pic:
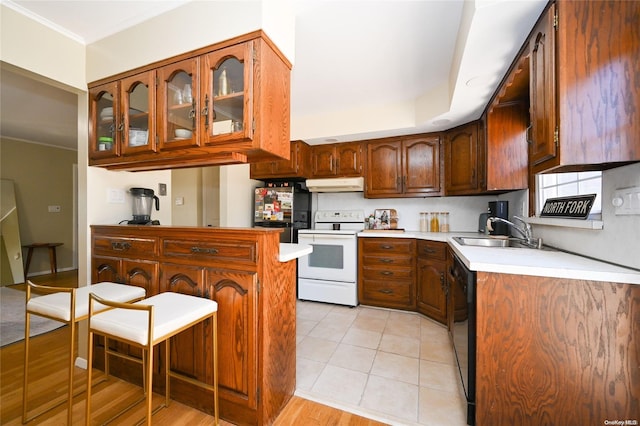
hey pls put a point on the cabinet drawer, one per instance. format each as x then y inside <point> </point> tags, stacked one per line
<point>387,245</point>
<point>387,261</point>
<point>125,246</point>
<point>387,273</point>
<point>432,249</point>
<point>388,293</point>
<point>240,251</point>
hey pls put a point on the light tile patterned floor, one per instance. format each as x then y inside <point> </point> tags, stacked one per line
<point>393,366</point>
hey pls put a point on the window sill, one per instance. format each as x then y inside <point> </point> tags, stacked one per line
<point>566,223</point>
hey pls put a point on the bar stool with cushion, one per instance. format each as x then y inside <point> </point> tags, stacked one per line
<point>69,306</point>
<point>147,323</point>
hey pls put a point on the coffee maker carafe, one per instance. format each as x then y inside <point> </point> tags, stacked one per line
<point>499,209</point>
<point>143,200</point>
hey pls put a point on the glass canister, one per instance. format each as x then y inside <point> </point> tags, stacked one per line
<point>424,222</point>
<point>444,222</point>
<point>434,222</point>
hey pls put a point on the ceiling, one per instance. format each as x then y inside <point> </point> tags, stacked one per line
<point>366,54</point>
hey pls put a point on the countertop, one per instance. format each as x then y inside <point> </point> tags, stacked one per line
<point>507,260</point>
<point>289,251</point>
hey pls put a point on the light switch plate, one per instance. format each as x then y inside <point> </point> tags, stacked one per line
<point>162,189</point>
<point>626,201</point>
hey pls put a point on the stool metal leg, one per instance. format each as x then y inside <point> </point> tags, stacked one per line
<point>25,376</point>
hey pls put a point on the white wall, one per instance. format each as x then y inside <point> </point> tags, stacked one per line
<point>103,212</point>
<point>619,240</point>
<point>463,211</point>
<point>36,48</point>
<point>186,186</point>
<point>196,24</point>
<point>236,196</point>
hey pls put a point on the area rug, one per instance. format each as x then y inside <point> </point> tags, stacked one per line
<point>12,304</point>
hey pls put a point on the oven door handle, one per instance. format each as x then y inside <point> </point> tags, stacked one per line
<point>312,237</point>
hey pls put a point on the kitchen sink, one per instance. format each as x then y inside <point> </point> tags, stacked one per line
<point>495,242</point>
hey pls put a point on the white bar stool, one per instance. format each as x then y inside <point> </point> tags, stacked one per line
<point>69,306</point>
<point>147,323</point>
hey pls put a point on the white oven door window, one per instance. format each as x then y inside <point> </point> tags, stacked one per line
<point>334,257</point>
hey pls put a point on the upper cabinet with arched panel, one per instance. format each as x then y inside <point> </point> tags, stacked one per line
<point>226,89</point>
<point>224,104</point>
<point>122,117</point>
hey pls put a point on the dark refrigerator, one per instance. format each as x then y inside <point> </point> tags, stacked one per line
<point>284,205</point>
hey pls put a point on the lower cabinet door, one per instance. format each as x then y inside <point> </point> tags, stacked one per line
<point>236,294</point>
<point>431,286</point>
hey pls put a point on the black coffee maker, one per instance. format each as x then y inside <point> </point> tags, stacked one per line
<point>499,209</point>
<point>143,199</point>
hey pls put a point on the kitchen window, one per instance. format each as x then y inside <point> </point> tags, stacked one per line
<point>566,184</point>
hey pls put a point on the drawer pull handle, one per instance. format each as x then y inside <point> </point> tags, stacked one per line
<point>204,250</point>
<point>386,291</point>
<point>428,250</point>
<point>386,247</point>
<point>386,260</point>
<point>119,246</point>
<point>386,273</point>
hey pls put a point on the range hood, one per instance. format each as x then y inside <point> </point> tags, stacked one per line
<point>355,184</point>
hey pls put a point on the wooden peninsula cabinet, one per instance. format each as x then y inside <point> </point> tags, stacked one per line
<point>223,104</point>
<point>556,351</point>
<point>256,296</point>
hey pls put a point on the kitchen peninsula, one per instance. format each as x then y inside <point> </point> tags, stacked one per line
<point>253,279</point>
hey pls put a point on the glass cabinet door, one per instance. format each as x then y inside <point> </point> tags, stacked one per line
<point>178,116</point>
<point>227,81</point>
<point>103,130</point>
<point>138,113</point>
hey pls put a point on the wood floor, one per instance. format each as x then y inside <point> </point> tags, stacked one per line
<point>48,376</point>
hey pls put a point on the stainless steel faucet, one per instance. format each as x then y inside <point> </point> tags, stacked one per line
<point>525,230</point>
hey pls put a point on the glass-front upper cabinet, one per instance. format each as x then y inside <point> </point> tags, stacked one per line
<point>103,126</point>
<point>137,98</point>
<point>178,106</point>
<point>226,91</point>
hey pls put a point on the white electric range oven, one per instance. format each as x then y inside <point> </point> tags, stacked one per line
<point>329,273</point>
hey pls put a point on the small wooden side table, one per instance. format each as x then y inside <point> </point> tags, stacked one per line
<point>52,256</point>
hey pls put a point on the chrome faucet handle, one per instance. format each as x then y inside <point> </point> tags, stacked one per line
<point>526,224</point>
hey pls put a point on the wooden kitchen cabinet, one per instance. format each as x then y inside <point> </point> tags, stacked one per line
<point>556,351</point>
<point>297,166</point>
<point>403,167</point>
<point>386,272</point>
<point>584,102</point>
<point>224,104</point>
<point>122,116</point>
<point>464,163</point>
<point>256,305</point>
<point>544,118</point>
<point>431,281</point>
<point>337,160</point>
